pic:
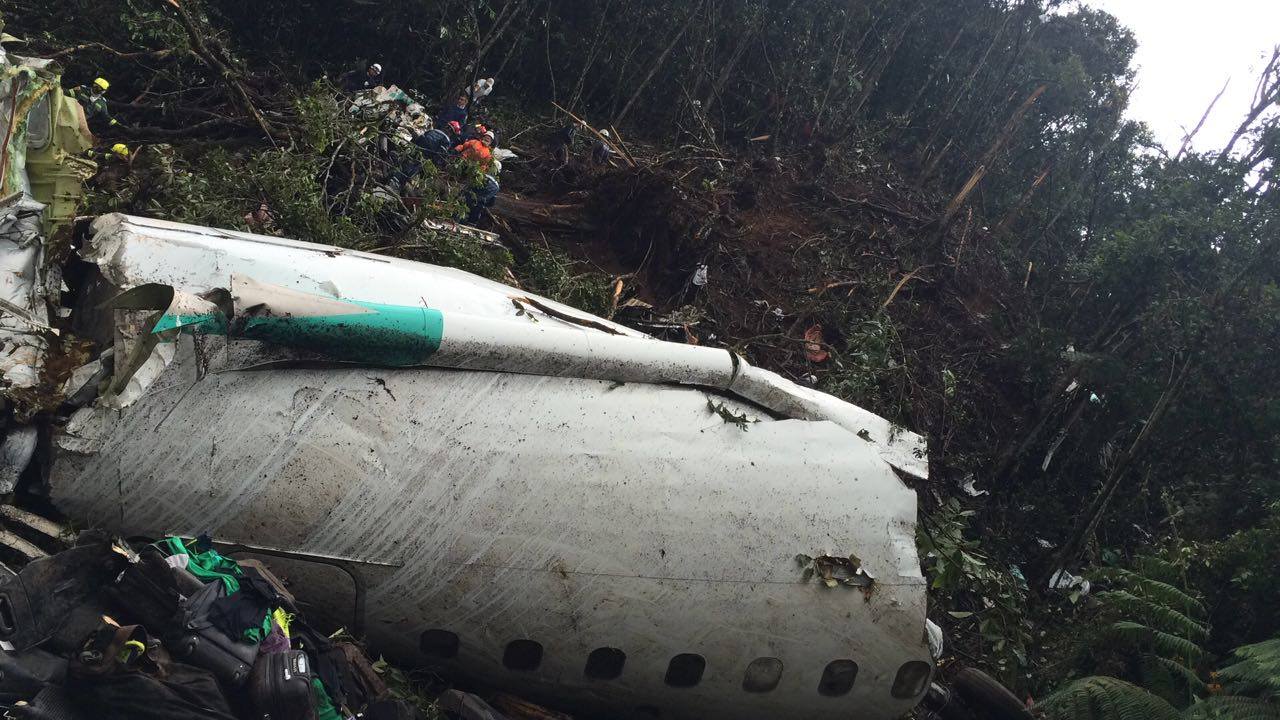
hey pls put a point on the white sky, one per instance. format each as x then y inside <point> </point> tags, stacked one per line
<point>1186,50</point>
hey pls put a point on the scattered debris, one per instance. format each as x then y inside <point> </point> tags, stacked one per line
<point>147,636</point>
<point>835,571</point>
<point>729,416</point>
<point>969,487</point>
<point>1074,584</point>
<point>814,345</point>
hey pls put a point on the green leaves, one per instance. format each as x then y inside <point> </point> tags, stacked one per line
<point>834,572</point>
<point>740,420</point>
<point>1105,698</point>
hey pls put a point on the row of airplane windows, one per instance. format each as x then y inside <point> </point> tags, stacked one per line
<point>685,670</point>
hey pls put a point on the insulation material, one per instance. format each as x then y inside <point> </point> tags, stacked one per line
<point>24,320</point>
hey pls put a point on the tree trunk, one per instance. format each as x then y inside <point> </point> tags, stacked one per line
<point>591,56</point>
<point>872,80</point>
<point>657,65</point>
<point>988,158</point>
<point>933,73</point>
<point>1010,217</point>
<point>941,122</point>
<point>1088,521</point>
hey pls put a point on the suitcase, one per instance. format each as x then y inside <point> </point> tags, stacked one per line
<point>280,687</point>
<point>211,649</point>
<point>36,602</point>
<point>360,682</point>
<point>52,703</point>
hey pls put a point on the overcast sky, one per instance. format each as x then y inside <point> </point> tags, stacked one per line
<point>1186,50</point>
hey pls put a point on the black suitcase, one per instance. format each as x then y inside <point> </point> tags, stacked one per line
<point>52,703</point>
<point>159,597</point>
<point>36,602</point>
<point>23,675</point>
<point>210,648</point>
<point>281,686</point>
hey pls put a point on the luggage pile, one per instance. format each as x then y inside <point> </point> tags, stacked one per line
<point>172,629</point>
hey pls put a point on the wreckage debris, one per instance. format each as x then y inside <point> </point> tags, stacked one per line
<point>171,629</point>
<point>166,327</point>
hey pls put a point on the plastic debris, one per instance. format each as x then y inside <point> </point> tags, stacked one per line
<point>934,635</point>
<point>700,276</point>
<point>1064,580</point>
<point>967,485</point>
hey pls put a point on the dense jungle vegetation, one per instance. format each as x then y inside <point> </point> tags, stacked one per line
<point>1084,324</point>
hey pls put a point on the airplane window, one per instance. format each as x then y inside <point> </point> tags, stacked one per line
<point>838,678</point>
<point>685,670</point>
<point>439,643</point>
<point>912,679</point>
<point>605,663</point>
<point>522,655</point>
<point>763,675</point>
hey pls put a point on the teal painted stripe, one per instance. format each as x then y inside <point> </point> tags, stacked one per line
<point>204,323</point>
<point>390,335</point>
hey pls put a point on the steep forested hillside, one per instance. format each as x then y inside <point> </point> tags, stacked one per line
<point>935,209</point>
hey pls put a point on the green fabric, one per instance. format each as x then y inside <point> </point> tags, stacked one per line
<point>324,706</point>
<point>207,565</point>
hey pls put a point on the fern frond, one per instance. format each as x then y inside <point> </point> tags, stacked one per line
<point>1232,708</point>
<point>1187,675</point>
<point>1169,619</point>
<point>1105,698</point>
<point>1157,569</point>
<point>1256,670</point>
<point>1157,641</point>
<point>1158,591</point>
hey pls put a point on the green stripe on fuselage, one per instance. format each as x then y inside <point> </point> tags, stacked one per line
<point>389,335</point>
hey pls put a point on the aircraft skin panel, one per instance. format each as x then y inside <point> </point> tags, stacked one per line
<point>476,323</point>
<point>576,513</point>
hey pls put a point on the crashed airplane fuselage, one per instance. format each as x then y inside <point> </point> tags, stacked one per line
<point>473,477</point>
<point>494,482</point>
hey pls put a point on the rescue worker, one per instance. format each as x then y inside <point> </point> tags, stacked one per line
<point>117,152</point>
<point>601,153</point>
<point>356,81</point>
<point>458,113</point>
<point>114,177</point>
<point>561,143</point>
<point>94,101</point>
<point>481,89</point>
<point>113,167</point>
<point>433,145</point>
<point>478,150</point>
<point>480,198</point>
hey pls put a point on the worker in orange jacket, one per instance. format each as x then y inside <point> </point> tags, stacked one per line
<point>478,150</point>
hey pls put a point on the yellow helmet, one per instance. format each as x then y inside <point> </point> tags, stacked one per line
<point>102,84</point>
<point>120,149</point>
